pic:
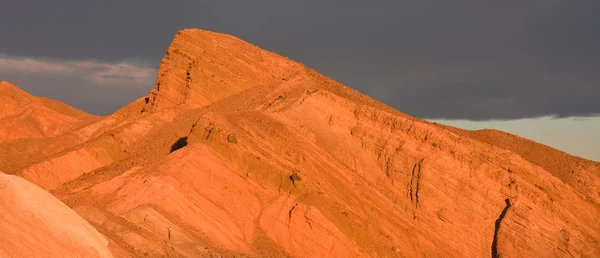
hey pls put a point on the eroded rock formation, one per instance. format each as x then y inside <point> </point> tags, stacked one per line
<point>242,152</point>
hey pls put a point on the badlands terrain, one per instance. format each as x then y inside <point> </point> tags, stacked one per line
<point>240,152</point>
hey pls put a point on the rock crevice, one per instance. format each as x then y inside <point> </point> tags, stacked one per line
<point>497,224</point>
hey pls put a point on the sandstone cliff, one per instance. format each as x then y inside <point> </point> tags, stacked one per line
<point>242,152</point>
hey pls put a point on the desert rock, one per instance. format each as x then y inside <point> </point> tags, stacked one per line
<point>242,152</point>
<point>36,224</point>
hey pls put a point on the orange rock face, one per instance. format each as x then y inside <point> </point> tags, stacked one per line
<point>25,116</point>
<point>203,67</point>
<point>241,152</point>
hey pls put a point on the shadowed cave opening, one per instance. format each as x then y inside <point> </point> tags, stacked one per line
<point>182,142</point>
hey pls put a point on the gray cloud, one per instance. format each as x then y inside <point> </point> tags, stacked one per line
<point>95,86</point>
<point>434,59</point>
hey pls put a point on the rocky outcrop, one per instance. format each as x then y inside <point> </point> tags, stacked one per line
<point>202,67</point>
<point>241,152</point>
<point>581,174</point>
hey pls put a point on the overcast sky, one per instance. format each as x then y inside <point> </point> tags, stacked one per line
<point>473,60</point>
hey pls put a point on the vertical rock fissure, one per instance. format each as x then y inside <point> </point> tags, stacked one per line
<point>415,183</point>
<point>188,76</point>
<point>388,165</point>
<point>418,183</point>
<point>291,210</point>
<point>188,81</point>
<point>412,178</point>
<point>495,253</point>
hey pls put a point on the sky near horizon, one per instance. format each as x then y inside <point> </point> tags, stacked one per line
<point>525,67</point>
<point>577,136</point>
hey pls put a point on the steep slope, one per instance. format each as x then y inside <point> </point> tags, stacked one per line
<point>581,174</point>
<point>25,116</point>
<point>203,67</point>
<point>318,173</point>
<point>25,152</point>
<point>241,152</point>
<point>64,108</point>
<point>36,224</point>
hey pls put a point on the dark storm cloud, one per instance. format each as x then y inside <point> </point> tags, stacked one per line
<point>432,59</point>
<point>98,87</point>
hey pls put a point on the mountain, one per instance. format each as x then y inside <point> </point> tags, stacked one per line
<point>23,115</point>
<point>242,152</point>
<point>36,224</point>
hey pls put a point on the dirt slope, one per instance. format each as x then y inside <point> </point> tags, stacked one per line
<point>242,152</point>
<point>581,174</point>
<point>25,116</point>
<point>36,224</point>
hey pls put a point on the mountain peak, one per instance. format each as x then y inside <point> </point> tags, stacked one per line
<point>9,88</point>
<point>283,161</point>
<point>23,115</point>
<point>201,67</point>
<point>11,97</point>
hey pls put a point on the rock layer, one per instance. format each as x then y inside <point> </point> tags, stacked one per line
<point>202,67</point>
<point>242,152</point>
<point>25,116</point>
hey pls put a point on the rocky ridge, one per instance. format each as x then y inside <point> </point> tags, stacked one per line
<point>242,152</point>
